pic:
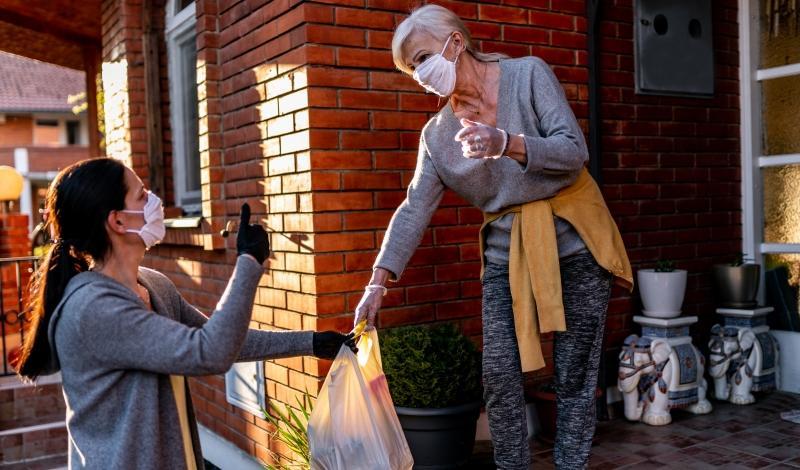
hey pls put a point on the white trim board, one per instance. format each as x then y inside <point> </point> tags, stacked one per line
<point>778,72</point>
<point>225,454</point>
<point>38,427</point>
<point>12,381</point>
<point>779,160</point>
<point>780,248</point>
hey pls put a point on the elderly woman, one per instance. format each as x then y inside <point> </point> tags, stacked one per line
<point>508,143</point>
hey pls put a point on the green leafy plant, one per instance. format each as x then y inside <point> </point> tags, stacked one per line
<point>740,259</point>
<point>430,366</point>
<point>291,429</point>
<point>665,266</point>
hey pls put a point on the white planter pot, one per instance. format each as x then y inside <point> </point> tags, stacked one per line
<point>662,293</point>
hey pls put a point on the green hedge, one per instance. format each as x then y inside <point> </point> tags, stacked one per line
<point>430,366</point>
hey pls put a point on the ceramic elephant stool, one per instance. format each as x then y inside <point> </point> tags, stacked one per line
<point>738,360</point>
<point>656,376</point>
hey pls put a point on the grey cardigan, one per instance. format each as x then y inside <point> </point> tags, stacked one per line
<point>531,102</point>
<point>116,356</point>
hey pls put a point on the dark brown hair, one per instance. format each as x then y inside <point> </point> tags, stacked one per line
<point>78,203</point>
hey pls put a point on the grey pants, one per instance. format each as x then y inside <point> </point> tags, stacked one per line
<point>586,290</point>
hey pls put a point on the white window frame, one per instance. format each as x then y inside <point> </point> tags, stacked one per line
<point>750,78</point>
<point>180,26</point>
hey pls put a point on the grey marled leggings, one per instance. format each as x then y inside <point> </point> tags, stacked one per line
<point>586,289</point>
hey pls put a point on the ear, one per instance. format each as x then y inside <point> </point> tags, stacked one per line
<point>114,223</point>
<point>660,350</point>
<point>746,338</point>
<point>458,40</point>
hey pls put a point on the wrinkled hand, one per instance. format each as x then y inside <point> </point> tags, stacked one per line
<point>251,239</point>
<point>368,306</point>
<point>328,343</point>
<point>481,141</point>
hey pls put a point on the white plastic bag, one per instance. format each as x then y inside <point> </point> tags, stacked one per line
<point>354,425</point>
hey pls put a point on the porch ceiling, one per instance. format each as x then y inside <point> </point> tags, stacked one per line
<point>57,31</point>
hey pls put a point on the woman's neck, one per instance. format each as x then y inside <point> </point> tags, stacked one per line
<point>477,85</point>
<point>122,267</point>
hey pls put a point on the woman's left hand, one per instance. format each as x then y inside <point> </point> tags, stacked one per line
<point>327,343</point>
<point>481,141</point>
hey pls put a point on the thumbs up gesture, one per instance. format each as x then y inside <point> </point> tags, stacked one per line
<point>251,239</point>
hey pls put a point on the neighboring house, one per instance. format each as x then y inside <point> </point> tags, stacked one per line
<point>43,124</point>
<point>295,107</point>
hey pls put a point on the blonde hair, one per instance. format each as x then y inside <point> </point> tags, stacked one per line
<point>439,23</point>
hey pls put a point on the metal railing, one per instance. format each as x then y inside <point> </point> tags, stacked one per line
<point>14,276</point>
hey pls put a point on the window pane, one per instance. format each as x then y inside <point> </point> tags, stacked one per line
<point>782,204</point>
<point>188,53</point>
<point>780,102</point>
<point>184,3</point>
<point>790,260</point>
<point>780,41</point>
<point>73,135</point>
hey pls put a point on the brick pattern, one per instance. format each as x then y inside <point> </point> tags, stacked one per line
<point>23,405</point>
<point>13,243</point>
<point>28,406</point>
<point>16,131</point>
<point>671,166</point>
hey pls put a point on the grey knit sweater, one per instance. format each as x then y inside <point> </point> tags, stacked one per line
<point>116,356</point>
<point>531,102</point>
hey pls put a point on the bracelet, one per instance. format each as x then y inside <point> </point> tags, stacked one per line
<point>505,143</point>
<point>377,286</point>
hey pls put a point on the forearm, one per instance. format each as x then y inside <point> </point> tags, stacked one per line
<point>380,276</point>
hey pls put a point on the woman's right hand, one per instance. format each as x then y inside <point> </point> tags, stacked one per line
<point>251,239</point>
<point>368,306</point>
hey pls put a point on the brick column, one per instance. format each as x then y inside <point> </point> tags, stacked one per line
<point>14,242</point>
<point>123,84</point>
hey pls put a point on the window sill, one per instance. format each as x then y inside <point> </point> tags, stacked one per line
<point>192,231</point>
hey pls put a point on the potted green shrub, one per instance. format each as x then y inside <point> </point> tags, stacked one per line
<point>662,289</point>
<point>736,283</point>
<point>434,375</point>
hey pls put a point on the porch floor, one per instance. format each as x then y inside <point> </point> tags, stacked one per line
<point>731,437</point>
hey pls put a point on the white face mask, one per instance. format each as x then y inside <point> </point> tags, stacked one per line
<point>437,74</point>
<point>153,230</point>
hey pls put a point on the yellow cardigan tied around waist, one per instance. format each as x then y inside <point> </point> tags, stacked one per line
<point>534,272</point>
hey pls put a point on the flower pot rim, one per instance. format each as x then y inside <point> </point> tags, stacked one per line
<point>439,411</point>
<point>653,270</point>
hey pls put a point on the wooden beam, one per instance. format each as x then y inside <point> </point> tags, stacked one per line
<point>92,59</point>
<point>152,96</point>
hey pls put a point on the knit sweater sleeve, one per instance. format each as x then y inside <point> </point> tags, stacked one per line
<point>412,216</point>
<point>561,148</point>
<point>259,345</point>
<point>118,332</point>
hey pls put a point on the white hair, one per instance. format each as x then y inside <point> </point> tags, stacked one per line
<point>439,23</point>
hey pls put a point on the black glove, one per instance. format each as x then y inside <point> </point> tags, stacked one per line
<point>251,239</point>
<point>328,343</point>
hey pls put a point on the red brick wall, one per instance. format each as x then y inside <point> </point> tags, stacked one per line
<point>17,131</point>
<point>13,243</point>
<point>671,166</point>
<point>28,406</point>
